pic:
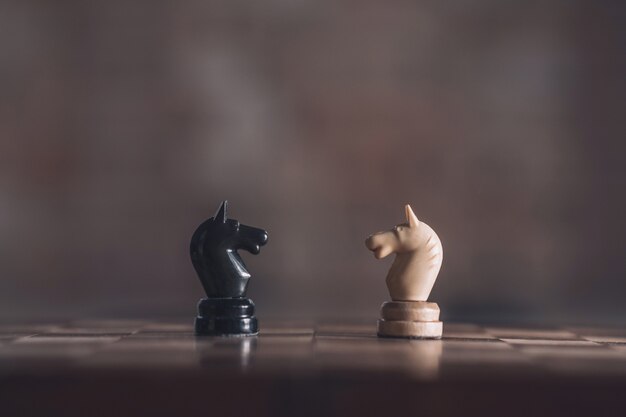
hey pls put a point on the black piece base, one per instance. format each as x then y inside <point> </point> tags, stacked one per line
<point>226,317</point>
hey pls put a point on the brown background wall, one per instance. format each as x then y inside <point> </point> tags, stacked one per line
<point>123,124</point>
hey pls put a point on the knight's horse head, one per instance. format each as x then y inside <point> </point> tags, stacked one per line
<point>419,255</point>
<point>404,237</point>
<point>214,255</point>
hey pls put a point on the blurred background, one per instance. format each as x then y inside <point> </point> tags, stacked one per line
<point>123,124</point>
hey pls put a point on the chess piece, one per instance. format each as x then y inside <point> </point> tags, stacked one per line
<point>419,255</point>
<point>226,311</point>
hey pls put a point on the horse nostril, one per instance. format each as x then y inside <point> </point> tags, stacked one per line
<point>369,243</point>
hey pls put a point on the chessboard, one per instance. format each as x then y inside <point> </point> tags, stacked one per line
<point>123,367</point>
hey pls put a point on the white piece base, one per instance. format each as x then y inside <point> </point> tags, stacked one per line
<point>410,329</point>
<point>409,311</point>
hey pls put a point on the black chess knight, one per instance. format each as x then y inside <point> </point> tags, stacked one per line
<point>224,276</point>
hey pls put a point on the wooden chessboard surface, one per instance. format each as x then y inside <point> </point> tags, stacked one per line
<point>122,367</point>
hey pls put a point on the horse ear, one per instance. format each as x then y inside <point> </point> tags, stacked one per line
<point>220,215</point>
<point>411,218</point>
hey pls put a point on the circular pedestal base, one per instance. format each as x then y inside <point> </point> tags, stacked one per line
<point>226,317</point>
<point>409,311</point>
<point>410,329</point>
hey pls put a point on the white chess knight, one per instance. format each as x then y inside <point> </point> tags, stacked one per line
<point>419,255</point>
